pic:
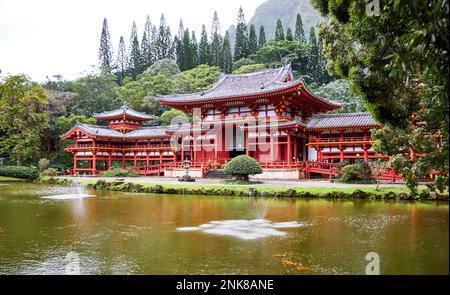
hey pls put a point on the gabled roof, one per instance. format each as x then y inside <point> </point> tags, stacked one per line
<point>239,85</point>
<point>343,120</point>
<point>117,113</point>
<point>105,131</point>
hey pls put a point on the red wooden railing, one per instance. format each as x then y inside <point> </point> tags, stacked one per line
<point>339,139</point>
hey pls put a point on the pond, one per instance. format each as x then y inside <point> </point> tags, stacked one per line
<point>125,233</point>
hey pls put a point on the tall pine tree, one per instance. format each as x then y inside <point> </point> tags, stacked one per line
<point>216,41</point>
<point>204,55</point>
<point>121,64</point>
<point>279,33</point>
<point>146,44</point>
<point>289,36</point>
<point>135,59</point>
<point>105,53</point>
<point>227,58</point>
<point>261,37</point>
<point>186,61</point>
<point>194,50</point>
<point>241,43</point>
<point>164,49</point>
<point>299,32</point>
<point>179,54</point>
<point>252,40</point>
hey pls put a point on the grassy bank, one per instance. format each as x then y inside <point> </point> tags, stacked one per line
<point>246,190</point>
<point>10,179</point>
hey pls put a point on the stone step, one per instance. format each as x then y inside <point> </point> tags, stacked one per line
<point>217,174</point>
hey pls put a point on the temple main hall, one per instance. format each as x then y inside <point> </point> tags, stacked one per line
<point>267,115</point>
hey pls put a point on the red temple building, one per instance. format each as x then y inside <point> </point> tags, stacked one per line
<point>267,115</point>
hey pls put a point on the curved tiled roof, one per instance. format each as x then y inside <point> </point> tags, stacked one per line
<point>105,131</point>
<point>323,121</point>
<point>239,85</point>
<point>122,111</point>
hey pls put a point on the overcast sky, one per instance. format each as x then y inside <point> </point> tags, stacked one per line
<point>47,37</point>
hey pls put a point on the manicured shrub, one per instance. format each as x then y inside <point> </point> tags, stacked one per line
<point>242,166</point>
<point>116,172</point>
<point>355,172</point>
<point>19,172</point>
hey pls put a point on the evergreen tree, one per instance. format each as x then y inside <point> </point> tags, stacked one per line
<point>227,58</point>
<point>145,51</point>
<point>262,36</point>
<point>312,37</point>
<point>216,42</point>
<point>204,55</point>
<point>279,33</point>
<point>289,36</point>
<point>164,49</point>
<point>146,44</point>
<point>135,60</point>
<point>105,53</point>
<point>252,40</point>
<point>121,61</point>
<point>186,62</point>
<point>241,43</point>
<point>179,55</point>
<point>180,30</point>
<point>299,32</point>
<point>154,44</point>
<point>194,50</point>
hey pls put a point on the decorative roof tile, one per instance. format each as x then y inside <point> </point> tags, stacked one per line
<point>324,121</point>
<point>123,111</point>
<point>105,131</point>
<point>237,85</point>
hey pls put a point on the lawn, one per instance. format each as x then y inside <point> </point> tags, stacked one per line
<point>10,179</point>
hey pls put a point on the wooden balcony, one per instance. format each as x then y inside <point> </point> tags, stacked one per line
<point>120,148</point>
<point>340,141</point>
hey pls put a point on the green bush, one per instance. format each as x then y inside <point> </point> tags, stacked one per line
<point>242,166</point>
<point>355,172</point>
<point>19,172</point>
<point>50,172</point>
<point>116,172</point>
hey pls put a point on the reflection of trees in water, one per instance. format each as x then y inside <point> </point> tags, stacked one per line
<point>259,207</point>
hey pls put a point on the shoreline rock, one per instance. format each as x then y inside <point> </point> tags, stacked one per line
<point>104,185</point>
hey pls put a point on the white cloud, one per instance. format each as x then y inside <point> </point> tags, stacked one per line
<point>47,37</point>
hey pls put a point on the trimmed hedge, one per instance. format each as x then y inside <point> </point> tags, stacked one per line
<point>242,166</point>
<point>115,172</point>
<point>19,172</point>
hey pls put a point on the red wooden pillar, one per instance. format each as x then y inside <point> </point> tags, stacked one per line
<point>74,163</point>
<point>366,154</point>
<point>247,147</point>
<point>271,148</point>
<point>341,153</point>
<point>182,148</point>
<point>135,160</point>
<point>124,166</point>
<point>295,149</point>
<point>289,147</point>
<point>319,154</point>
<point>94,164</point>
<point>147,163</point>
<point>109,160</point>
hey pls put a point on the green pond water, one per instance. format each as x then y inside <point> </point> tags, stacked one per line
<point>124,233</point>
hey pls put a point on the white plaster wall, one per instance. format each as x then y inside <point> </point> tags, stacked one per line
<point>178,172</point>
<point>277,174</point>
<point>312,154</point>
